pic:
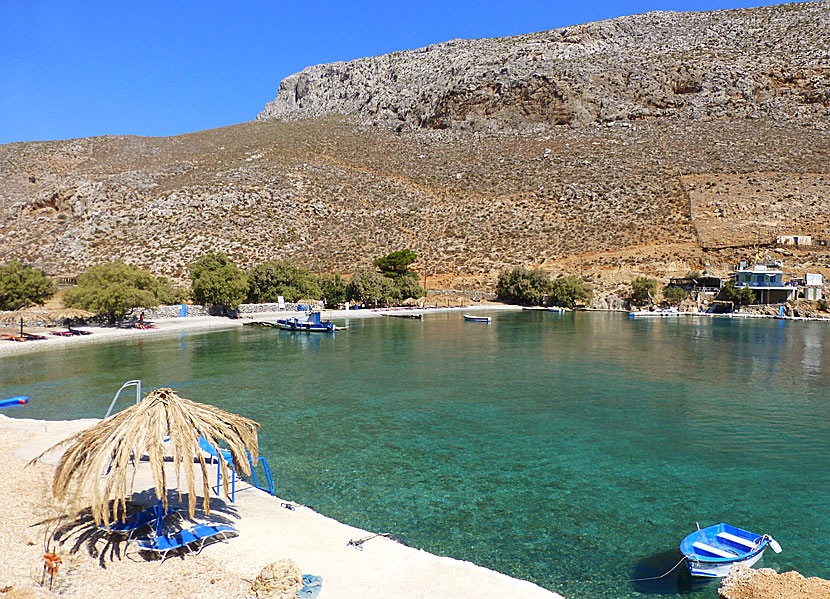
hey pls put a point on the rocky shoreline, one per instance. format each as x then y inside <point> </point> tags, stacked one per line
<point>748,583</point>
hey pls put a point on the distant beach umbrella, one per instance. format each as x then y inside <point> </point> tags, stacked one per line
<point>67,315</point>
<point>70,314</point>
<point>23,316</point>
<point>100,461</point>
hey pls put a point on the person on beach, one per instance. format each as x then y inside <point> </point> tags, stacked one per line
<point>140,324</point>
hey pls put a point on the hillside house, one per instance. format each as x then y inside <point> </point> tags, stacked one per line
<point>766,281</point>
<point>796,240</point>
<point>813,284</point>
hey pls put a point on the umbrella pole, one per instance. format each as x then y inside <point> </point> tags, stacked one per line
<point>21,326</point>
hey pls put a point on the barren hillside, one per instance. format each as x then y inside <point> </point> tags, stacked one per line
<point>655,192</point>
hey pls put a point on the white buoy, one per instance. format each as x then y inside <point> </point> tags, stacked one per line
<point>774,545</point>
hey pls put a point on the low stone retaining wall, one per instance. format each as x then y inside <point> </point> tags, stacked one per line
<point>196,310</point>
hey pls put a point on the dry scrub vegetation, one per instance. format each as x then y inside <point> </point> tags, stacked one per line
<point>682,171</point>
<point>333,195</point>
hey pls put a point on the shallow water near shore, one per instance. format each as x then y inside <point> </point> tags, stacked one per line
<point>571,450</point>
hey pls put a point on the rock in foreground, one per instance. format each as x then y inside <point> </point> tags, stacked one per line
<point>747,583</point>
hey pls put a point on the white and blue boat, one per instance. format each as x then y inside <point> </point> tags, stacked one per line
<point>712,551</point>
<point>472,318</point>
<point>312,324</point>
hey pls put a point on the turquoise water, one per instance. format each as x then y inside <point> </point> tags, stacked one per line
<point>571,450</point>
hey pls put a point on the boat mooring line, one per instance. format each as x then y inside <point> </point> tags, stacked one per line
<point>682,559</point>
<point>673,568</point>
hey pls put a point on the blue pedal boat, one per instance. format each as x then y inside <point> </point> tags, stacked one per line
<point>312,324</point>
<point>713,550</point>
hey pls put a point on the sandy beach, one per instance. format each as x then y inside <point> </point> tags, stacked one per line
<point>270,528</point>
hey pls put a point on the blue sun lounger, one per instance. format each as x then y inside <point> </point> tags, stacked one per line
<point>193,538</point>
<point>150,516</point>
<point>228,457</point>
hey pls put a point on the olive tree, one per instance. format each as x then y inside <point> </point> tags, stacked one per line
<point>369,286</point>
<point>334,289</point>
<point>674,294</point>
<point>522,286</point>
<point>567,290</point>
<point>22,285</point>
<point>268,281</point>
<point>113,289</point>
<point>643,288</point>
<point>218,281</point>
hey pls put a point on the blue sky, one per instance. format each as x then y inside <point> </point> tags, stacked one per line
<point>85,68</point>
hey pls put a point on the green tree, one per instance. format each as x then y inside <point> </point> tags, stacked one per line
<point>22,285</point>
<point>395,266</point>
<point>740,296</point>
<point>522,286</point>
<point>406,285</point>
<point>396,263</point>
<point>333,289</point>
<point>642,288</point>
<point>267,281</point>
<point>216,280</point>
<point>112,289</point>
<point>369,287</point>
<point>167,294</point>
<point>567,290</point>
<point>674,294</point>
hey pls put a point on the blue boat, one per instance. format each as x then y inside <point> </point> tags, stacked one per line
<point>312,324</point>
<point>17,400</point>
<point>712,551</point>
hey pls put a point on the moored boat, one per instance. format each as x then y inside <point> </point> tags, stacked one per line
<point>656,313</point>
<point>312,324</point>
<point>712,551</point>
<point>473,318</point>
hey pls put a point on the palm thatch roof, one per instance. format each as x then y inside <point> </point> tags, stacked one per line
<point>100,461</point>
<point>28,317</point>
<point>70,314</point>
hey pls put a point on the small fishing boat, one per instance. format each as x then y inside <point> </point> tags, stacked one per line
<point>558,309</point>
<point>312,324</point>
<point>473,318</point>
<point>713,550</point>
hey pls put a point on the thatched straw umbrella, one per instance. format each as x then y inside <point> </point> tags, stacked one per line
<point>67,315</point>
<point>21,316</point>
<point>102,459</point>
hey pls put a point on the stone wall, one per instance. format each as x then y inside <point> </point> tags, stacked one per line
<point>195,310</point>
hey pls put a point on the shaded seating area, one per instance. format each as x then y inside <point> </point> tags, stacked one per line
<point>190,539</point>
<point>152,516</point>
<point>228,457</point>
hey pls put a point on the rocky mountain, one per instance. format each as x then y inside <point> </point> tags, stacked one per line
<point>756,63</point>
<point>651,144</point>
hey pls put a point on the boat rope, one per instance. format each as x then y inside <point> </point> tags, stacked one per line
<point>682,559</point>
<point>358,543</point>
<point>673,568</point>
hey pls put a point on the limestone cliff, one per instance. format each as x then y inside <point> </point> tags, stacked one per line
<point>753,63</point>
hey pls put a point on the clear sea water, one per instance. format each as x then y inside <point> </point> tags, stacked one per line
<point>571,450</point>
